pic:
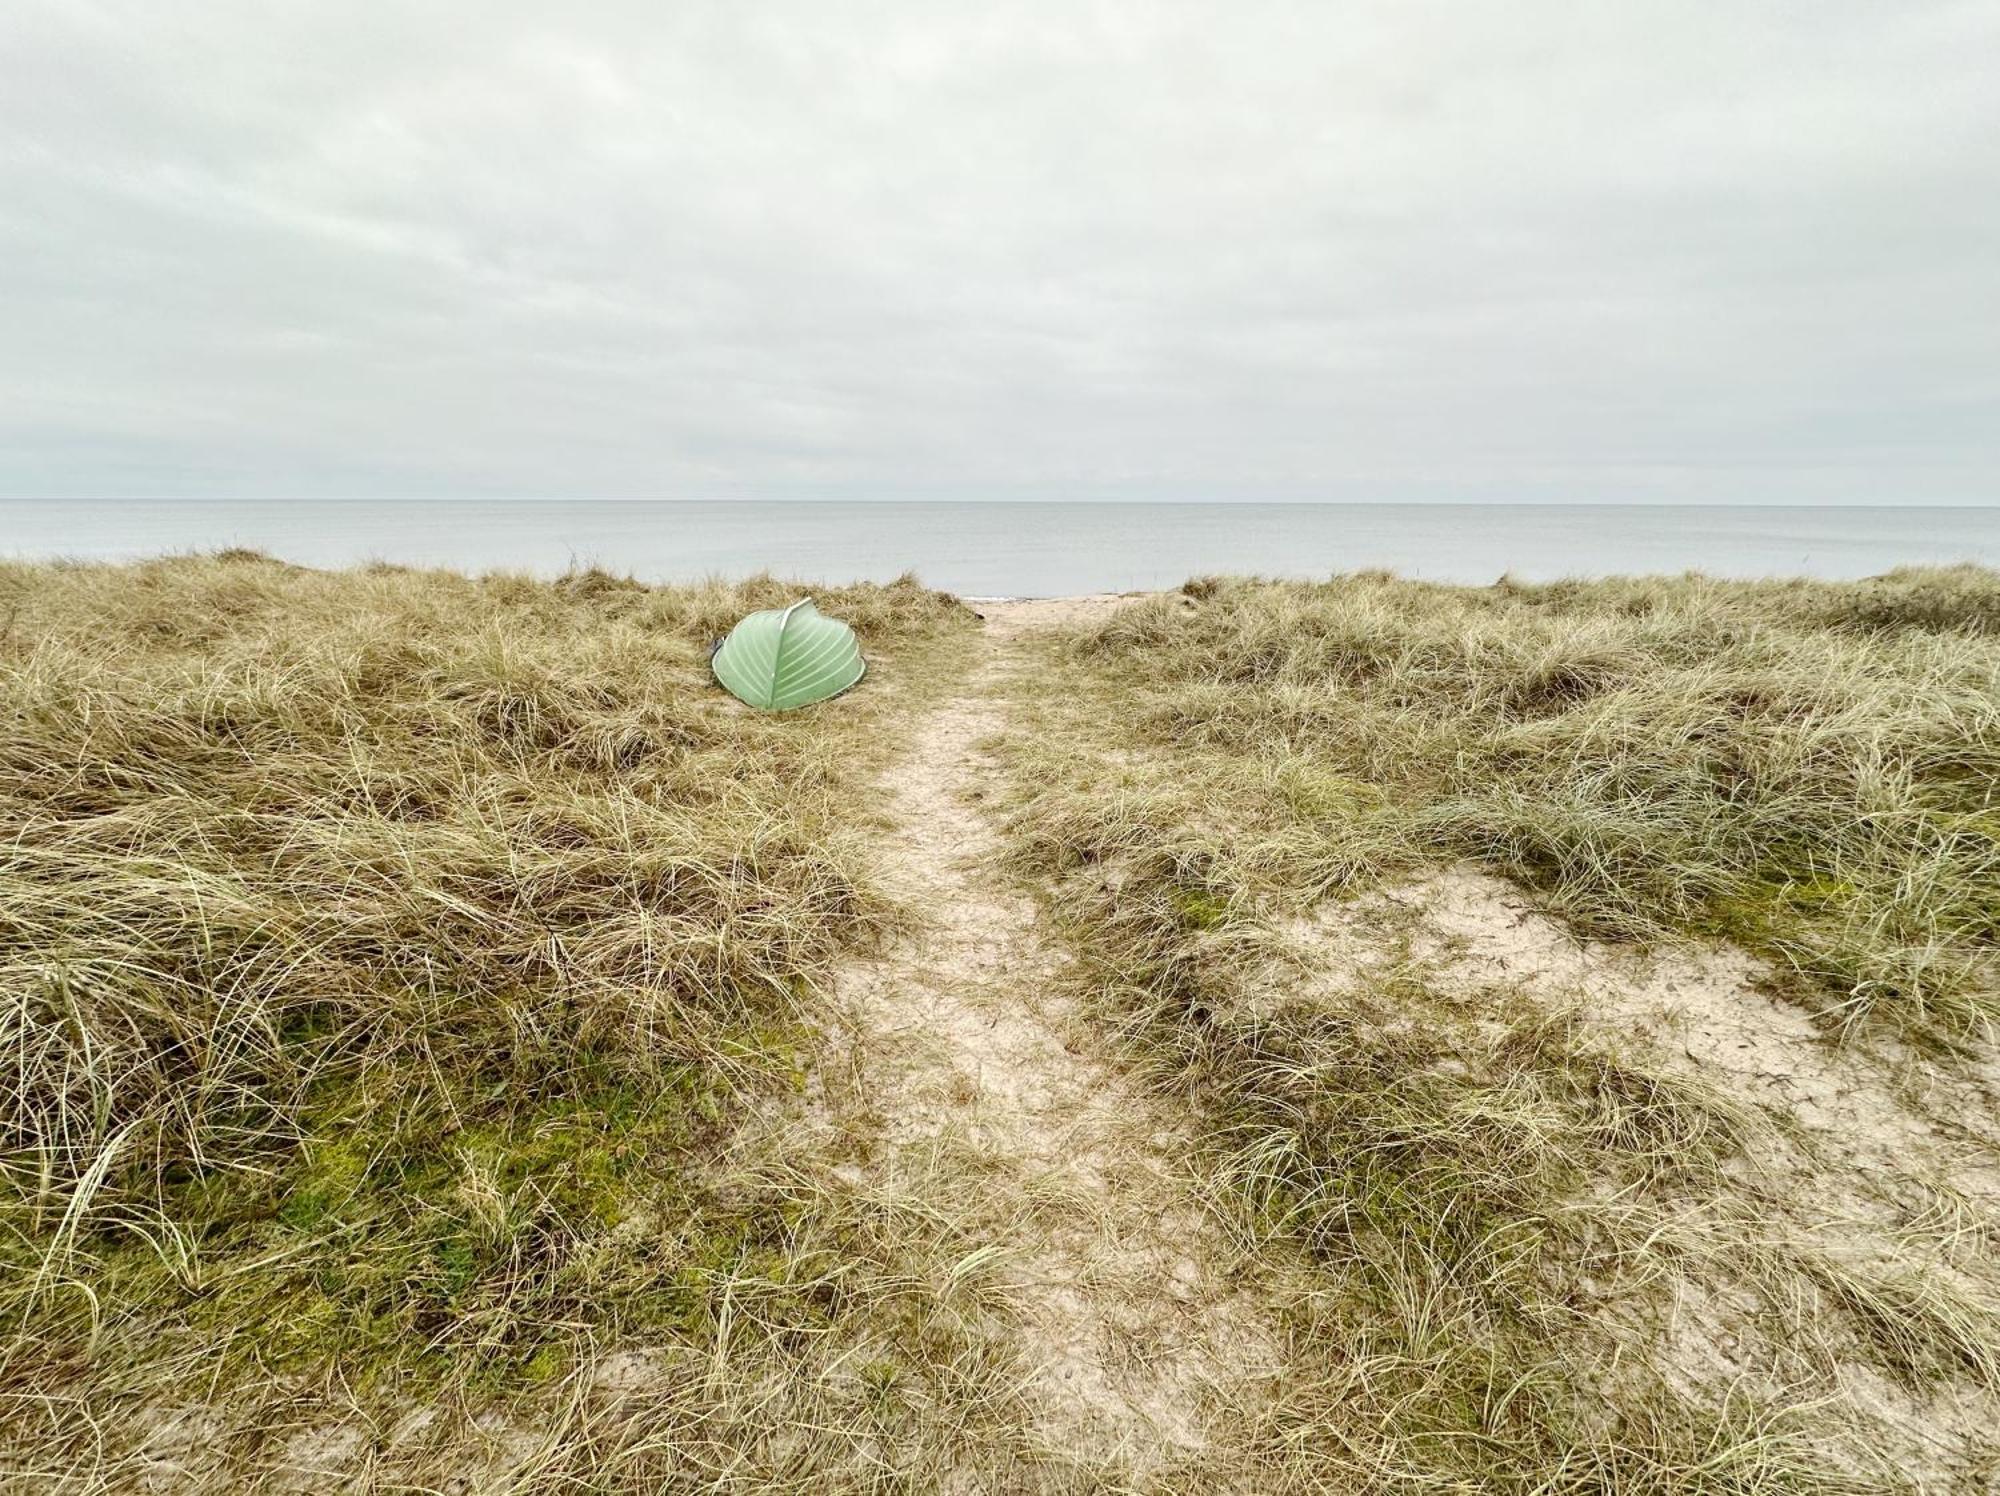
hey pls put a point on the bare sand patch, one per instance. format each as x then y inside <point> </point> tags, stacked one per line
<point>1009,618</point>
<point>1914,1123</point>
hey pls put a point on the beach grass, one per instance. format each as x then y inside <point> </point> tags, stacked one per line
<point>1807,768</point>
<point>390,965</point>
<point>1538,1253</point>
<point>427,1068</point>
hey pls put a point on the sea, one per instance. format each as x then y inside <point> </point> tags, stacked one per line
<point>1019,548</point>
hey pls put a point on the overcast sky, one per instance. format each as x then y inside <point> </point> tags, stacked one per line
<point>1614,251</point>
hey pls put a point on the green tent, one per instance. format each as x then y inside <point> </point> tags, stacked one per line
<point>787,657</point>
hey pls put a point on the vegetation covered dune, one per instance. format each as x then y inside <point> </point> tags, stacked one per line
<point>389,965</point>
<point>1523,1039</point>
<point>1678,1173</point>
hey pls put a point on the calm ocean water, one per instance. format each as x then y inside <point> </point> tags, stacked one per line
<point>1021,549</point>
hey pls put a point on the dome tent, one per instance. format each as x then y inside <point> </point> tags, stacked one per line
<point>788,657</point>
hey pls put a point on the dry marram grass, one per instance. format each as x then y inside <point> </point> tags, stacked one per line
<point>391,963</point>
<point>1672,1167</point>
<point>1527,1039</point>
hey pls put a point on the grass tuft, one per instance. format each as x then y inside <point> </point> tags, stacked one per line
<point>389,964</point>
<point>1532,1256</point>
<point>1807,768</point>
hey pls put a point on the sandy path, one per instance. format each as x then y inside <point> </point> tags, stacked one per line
<point>968,1046</point>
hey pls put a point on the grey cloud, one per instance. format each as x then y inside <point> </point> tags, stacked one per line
<point>1645,251</point>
